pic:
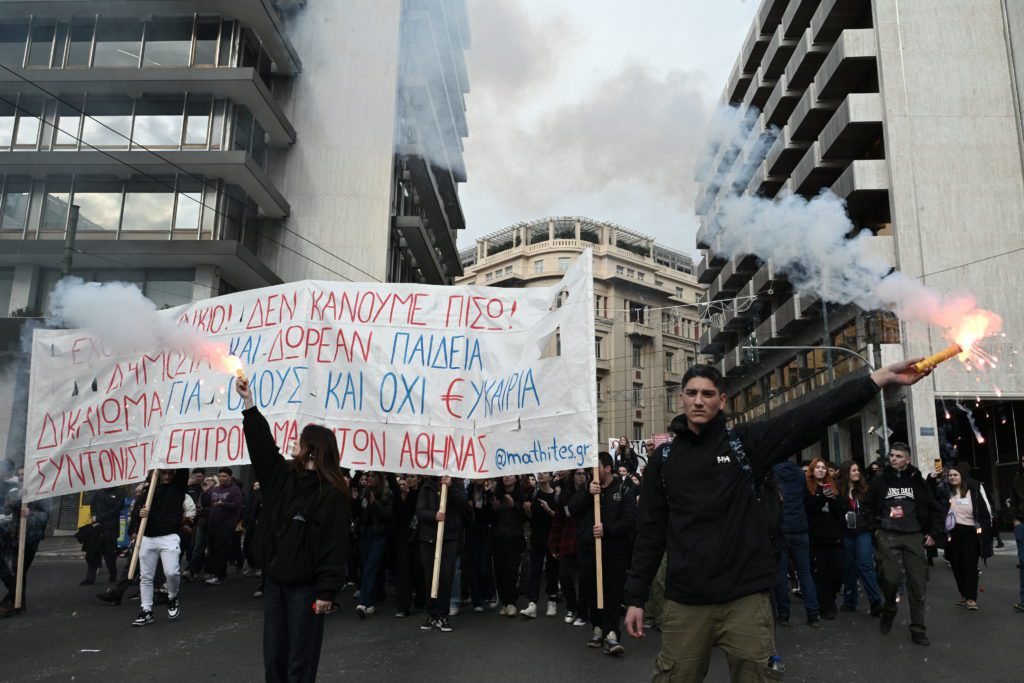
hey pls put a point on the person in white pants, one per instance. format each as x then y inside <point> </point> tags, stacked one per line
<point>161,542</point>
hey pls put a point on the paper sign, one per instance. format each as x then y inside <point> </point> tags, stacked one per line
<point>411,378</point>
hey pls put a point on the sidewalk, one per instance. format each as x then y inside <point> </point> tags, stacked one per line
<point>60,546</point>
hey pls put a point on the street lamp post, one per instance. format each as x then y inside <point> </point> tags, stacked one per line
<point>841,349</point>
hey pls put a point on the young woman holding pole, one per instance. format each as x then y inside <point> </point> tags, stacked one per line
<point>300,541</point>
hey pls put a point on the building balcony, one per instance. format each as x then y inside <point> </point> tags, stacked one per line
<point>813,172</point>
<point>781,103</point>
<point>234,167</point>
<point>764,279</point>
<point>754,46</point>
<point>832,16</point>
<point>703,237</point>
<point>850,65</point>
<point>422,172</point>
<point>604,366</point>
<point>732,362</point>
<point>805,62</point>
<point>707,345</point>
<point>764,184</point>
<point>638,329</point>
<point>446,143</point>
<point>739,81</point>
<point>770,13</point>
<point>856,125</point>
<point>780,48</point>
<point>797,18</point>
<point>784,154</point>
<point>864,185</point>
<point>810,115</point>
<point>766,333</point>
<point>708,268</point>
<point>416,234</point>
<point>760,89</point>
<point>790,316</point>
<point>259,15</point>
<point>242,85</point>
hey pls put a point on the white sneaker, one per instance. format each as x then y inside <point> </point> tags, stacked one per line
<point>478,608</point>
<point>530,611</point>
<point>569,616</point>
<point>371,610</point>
<point>504,611</point>
<point>214,581</point>
<point>552,609</point>
<point>512,611</point>
<point>453,611</point>
<point>579,622</point>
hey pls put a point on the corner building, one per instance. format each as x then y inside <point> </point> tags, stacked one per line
<point>220,145</point>
<point>645,310</point>
<point>909,110</point>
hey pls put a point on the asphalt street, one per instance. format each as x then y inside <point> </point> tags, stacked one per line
<point>67,634</point>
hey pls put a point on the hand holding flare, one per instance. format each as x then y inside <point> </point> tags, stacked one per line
<point>936,358</point>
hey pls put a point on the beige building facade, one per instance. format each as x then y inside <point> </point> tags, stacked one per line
<point>645,308</point>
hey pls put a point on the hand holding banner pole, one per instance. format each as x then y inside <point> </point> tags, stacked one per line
<point>597,541</point>
<point>439,543</point>
<point>19,587</point>
<point>142,526</point>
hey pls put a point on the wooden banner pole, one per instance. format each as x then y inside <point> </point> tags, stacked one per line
<point>142,526</point>
<point>439,543</point>
<point>597,541</point>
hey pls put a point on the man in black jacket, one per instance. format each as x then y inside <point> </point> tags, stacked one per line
<point>698,498</point>
<point>428,514</point>
<point>618,519</point>
<point>106,508</point>
<point>905,518</point>
<point>161,543</point>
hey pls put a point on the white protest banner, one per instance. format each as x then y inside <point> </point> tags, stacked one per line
<point>411,378</point>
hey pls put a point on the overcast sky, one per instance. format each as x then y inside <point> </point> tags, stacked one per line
<point>594,108</point>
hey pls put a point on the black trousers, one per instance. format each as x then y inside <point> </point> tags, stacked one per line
<point>410,587</point>
<point>221,545</point>
<point>8,573</point>
<point>963,551</point>
<point>542,565</point>
<point>568,578</point>
<point>449,553</point>
<point>102,549</point>
<point>615,566</point>
<point>292,632</point>
<point>508,555</point>
<point>827,570</point>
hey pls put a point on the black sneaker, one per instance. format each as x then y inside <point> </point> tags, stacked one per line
<point>443,625</point>
<point>145,618</point>
<point>173,610</point>
<point>110,597</point>
<point>814,622</point>
<point>597,638</point>
<point>612,646</point>
<point>920,639</point>
<point>876,609</point>
<point>885,625</point>
<point>428,624</point>
<point>86,582</point>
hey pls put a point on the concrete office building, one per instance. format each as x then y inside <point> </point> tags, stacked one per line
<point>910,110</point>
<point>646,321</point>
<point>221,145</point>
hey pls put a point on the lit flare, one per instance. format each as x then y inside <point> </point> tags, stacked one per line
<point>936,358</point>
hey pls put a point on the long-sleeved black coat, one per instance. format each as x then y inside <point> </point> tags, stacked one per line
<point>428,502</point>
<point>618,517</point>
<point>287,496</point>
<point>698,502</point>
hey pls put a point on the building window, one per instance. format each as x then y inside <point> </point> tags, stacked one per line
<point>640,275</point>
<point>42,43</point>
<point>17,193</point>
<point>489,277</point>
<point>108,122</point>
<point>563,263</point>
<point>12,43</point>
<point>158,122</point>
<point>637,356</point>
<point>597,348</point>
<point>58,198</point>
<point>68,123</point>
<point>599,302</point>
<point>637,312</point>
<point>508,270</point>
<point>679,293</point>
<point>599,397</point>
<point>168,42</point>
<point>30,112</point>
<point>538,266</point>
<point>118,43</point>
<point>630,273</point>
<point>638,394</point>
<point>148,206</point>
<point>670,398</point>
<point>80,43</point>
<point>638,431</point>
<point>668,362</point>
<point>99,205</point>
<point>558,344</point>
<point>619,270</point>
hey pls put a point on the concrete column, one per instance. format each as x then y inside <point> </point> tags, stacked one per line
<point>25,288</point>
<point>551,230</point>
<point>206,283</point>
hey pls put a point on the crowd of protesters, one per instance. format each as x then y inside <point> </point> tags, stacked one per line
<point>524,546</point>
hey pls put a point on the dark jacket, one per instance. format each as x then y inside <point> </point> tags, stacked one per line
<point>508,518</point>
<point>628,459</point>
<point>296,504</point>
<point>1017,497</point>
<point>856,506</point>
<point>618,517</point>
<point>982,517</point>
<point>824,519</point>
<point>699,502</point>
<point>562,537</point>
<point>227,514</point>
<point>106,506</point>
<point>428,502</point>
<point>403,517</point>
<point>929,514</point>
<point>375,517</point>
<point>166,509</point>
<point>793,486</point>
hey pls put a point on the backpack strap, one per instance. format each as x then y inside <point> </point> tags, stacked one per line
<point>741,457</point>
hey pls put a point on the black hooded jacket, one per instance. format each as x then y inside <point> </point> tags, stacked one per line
<point>699,502</point>
<point>929,514</point>
<point>165,510</point>
<point>302,533</point>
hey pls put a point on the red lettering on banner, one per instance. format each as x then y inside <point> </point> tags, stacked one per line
<point>361,447</point>
<point>315,343</point>
<point>275,310</point>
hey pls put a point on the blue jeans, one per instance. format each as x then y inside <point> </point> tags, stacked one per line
<point>456,600</point>
<point>371,551</point>
<point>1018,535</point>
<point>860,562</point>
<point>798,547</point>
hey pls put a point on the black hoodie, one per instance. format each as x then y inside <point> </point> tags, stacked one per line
<point>910,485</point>
<point>700,504</point>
